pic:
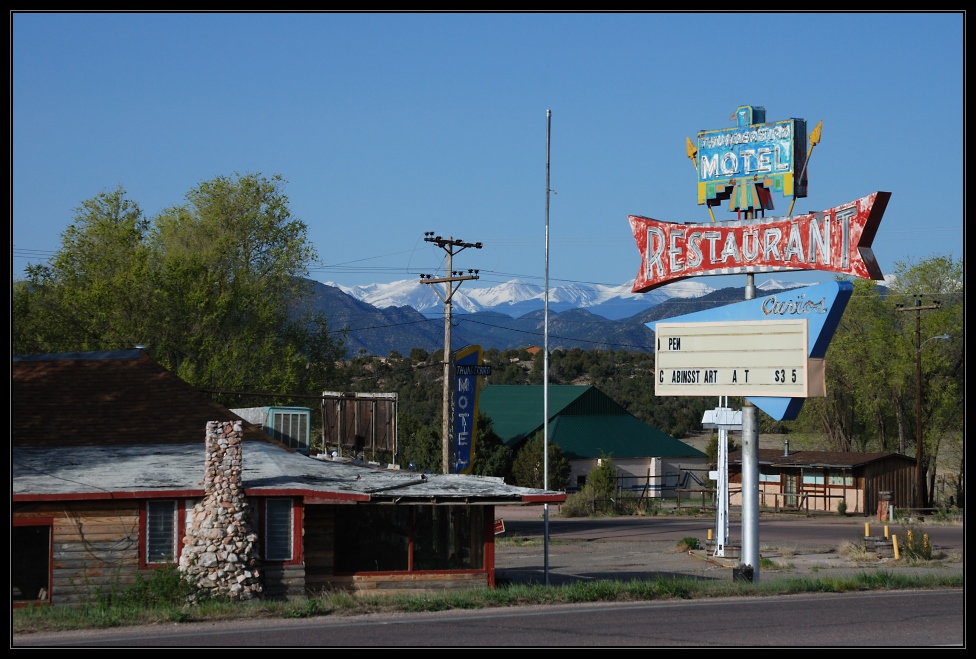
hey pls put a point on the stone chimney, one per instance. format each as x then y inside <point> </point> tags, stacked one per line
<point>220,553</point>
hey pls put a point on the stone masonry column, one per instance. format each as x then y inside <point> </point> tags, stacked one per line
<point>220,554</point>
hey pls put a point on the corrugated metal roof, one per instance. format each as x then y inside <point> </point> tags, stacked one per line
<point>616,435</point>
<point>516,410</point>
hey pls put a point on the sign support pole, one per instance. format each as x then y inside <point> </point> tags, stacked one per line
<point>750,466</point>
<point>722,504</point>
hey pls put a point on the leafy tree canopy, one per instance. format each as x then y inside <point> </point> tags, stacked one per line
<point>491,456</point>
<point>212,288</point>
<point>528,469</point>
<point>871,369</point>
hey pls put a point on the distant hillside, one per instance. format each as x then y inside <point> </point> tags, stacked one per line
<point>378,331</point>
<point>680,307</point>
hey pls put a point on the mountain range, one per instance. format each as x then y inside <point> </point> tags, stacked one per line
<point>379,318</point>
<point>517,298</point>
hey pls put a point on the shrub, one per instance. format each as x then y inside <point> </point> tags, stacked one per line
<point>527,469</point>
<point>687,544</point>
<point>164,587</point>
<point>603,478</point>
<point>842,507</point>
<point>577,504</point>
<point>587,502</point>
<point>917,545</point>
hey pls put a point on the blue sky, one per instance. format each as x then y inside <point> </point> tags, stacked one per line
<point>389,125</point>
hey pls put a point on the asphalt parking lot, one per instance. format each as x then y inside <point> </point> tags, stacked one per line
<point>625,548</point>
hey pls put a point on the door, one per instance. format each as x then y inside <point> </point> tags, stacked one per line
<point>789,489</point>
<point>30,562</point>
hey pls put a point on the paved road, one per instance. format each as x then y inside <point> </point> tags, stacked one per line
<point>908,619</point>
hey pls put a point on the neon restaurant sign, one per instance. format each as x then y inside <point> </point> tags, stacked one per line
<point>836,240</point>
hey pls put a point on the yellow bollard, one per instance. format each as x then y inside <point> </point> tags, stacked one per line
<point>911,541</point>
<point>709,535</point>
<point>894,542</point>
<point>886,532</point>
<point>926,547</point>
<point>867,529</point>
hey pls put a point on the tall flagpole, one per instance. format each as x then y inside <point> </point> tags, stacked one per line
<point>545,368</point>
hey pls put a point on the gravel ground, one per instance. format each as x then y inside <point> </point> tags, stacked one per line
<point>521,560</point>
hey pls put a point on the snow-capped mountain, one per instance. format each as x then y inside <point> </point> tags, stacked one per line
<point>516,298</point>
<point>403,315</point>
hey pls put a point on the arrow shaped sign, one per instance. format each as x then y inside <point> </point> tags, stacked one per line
<point>821,306</point>
<point>835,240</point>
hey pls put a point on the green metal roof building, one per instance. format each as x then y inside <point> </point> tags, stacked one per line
<point>586,425</point>
<point>583,421</point>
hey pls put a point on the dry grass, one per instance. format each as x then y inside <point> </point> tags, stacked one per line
<point>853,551</point>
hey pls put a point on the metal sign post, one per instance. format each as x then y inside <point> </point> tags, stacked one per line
<point>724,419</point>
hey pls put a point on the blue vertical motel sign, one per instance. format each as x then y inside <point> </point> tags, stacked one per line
<point>467,369</point>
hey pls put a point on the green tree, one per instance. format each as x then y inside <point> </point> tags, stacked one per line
<point>867,371</point>
<point>213,289</point>
<point>491,456</point>
<point>870,370</point>
<point>935,281</point>
<point>98,292</point>
<point>528,470</point>
<point>711,449</point>
<point>602,479</point>
<point>420,445</point>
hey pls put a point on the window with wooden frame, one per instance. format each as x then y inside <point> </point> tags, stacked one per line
<point>813,478</point>
<point>840,478</point>
<point>161,532</point>
<point>279,528</point>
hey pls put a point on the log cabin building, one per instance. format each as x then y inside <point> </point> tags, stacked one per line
<point>120,467</point>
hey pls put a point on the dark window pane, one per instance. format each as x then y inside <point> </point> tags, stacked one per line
<point>372,538</point>
<point>278,529</point>
<point>448,538</point>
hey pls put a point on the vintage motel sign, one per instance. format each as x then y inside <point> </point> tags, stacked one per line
<point>835,240</point>
<point>467,370</point>
<point>746,163</point>
<point>820,306</point>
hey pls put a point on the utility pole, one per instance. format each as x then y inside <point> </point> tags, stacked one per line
<point>917,307</point>
<point>450,247</point>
